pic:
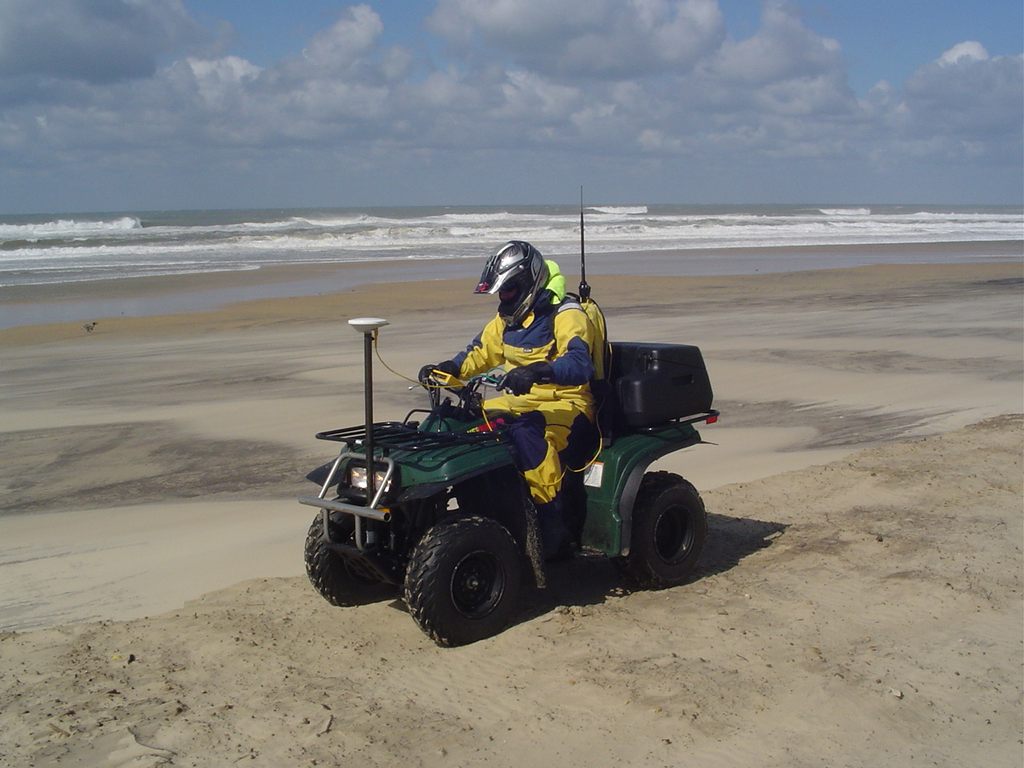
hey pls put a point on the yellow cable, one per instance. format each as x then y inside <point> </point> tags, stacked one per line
<point>376,350</point>
<point>428,385</point>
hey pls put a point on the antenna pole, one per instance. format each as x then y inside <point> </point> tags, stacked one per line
<point>368,326</point>
<point>584,286</point>
<point>368,411</point>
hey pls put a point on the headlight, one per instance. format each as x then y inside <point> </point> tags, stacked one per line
<point>357,478</point>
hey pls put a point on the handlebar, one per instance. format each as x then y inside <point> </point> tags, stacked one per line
<point>467,391</point>
<point>444,380</point>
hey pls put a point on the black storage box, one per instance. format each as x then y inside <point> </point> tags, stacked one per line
<point>655,383</point>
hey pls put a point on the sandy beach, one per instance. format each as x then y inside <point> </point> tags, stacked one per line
<point>859,602</point>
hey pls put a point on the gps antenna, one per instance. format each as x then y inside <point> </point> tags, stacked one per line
<point>584,286</point>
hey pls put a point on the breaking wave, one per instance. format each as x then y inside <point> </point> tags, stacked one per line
<point>72,248</point>
<point>65,229</point>
<point>624,210</point>
<point>845,211</point>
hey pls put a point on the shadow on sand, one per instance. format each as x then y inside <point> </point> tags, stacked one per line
<point>590,578</point>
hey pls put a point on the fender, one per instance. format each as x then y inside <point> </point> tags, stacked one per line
<point>613,482</point>
<point>632,488</point>
<point>319,475</point>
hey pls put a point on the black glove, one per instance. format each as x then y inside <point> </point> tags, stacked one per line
<point>519,381</point>
<point>446,366</point>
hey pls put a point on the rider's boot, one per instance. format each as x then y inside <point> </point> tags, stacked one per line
<point>554,535</point>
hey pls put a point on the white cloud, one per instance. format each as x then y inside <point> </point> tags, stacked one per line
<point>958,117</point>
<point>584,38</point>
<point>651,83</point>
<point>516,22</point>
<point>969,50</point>
<point>347,41</point>
<point>528,94</point>
<point>443,90</point>
<point>822,95</point>
<point>653,140</point>
<point>781,50</point>
<point>221,79</point>
<point>967,97</point>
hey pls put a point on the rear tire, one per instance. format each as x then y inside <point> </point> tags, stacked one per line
<point>463,580</point>
<point>330,574</point>
<point>669,529</point>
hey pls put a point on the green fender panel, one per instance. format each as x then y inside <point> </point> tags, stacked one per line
<point>424,472</point>
<point>614,479</point>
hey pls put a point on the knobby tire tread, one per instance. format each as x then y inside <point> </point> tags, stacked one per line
<point>329,576</point>
<point>653,485</point>
<point>421,564</point>
<point>426,559</point>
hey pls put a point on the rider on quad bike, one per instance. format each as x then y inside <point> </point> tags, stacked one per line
<point>442,508</point>
<point>544,342</point>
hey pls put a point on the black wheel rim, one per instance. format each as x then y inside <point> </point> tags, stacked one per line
<point>478,582</point>
<point>673,534</point>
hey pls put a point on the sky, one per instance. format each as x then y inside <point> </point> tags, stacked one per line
<point>133,105</point>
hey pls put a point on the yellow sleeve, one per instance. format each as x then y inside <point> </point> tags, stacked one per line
<point>487,350</point>
<point>574,339</point>
<point>569,325</point>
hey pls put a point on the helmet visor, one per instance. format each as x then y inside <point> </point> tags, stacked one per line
<point>510,261</point>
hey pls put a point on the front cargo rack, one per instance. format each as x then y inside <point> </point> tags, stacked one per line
<point>392,435</point>
<point>396,435</point>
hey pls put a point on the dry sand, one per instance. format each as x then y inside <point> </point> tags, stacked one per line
<point>859,602</point>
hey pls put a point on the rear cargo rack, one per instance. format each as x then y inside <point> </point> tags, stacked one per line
<point>708,417</point>
<point>395,435</point>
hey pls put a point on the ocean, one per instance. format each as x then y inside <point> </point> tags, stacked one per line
<point>54,249</point>
<point>69,267</point>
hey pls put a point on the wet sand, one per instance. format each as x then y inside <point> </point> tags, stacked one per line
<point>175,294</point>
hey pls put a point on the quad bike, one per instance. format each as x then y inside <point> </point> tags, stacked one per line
<point>445,517</point>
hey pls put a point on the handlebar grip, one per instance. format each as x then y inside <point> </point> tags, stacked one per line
<point>444,378</point>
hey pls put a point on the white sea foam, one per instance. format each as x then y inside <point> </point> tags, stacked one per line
<point>624,209</point>
<point>67,229</point>
<point>845,211</point>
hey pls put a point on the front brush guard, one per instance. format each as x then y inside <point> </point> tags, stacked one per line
<point>364,559</point>
<point>371,511</point>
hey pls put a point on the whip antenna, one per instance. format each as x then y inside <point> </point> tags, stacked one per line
<point>584,286</point>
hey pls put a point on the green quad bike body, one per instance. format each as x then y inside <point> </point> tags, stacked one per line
<point>450,522</point>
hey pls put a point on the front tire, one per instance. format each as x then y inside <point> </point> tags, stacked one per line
<point>463,580</point>
<point>337,581</point>
<point>670,526</point>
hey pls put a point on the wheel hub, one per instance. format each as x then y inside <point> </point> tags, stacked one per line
<point>672,536</point>
<point>477,584</point>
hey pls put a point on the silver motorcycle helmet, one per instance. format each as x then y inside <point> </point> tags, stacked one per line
<point>517,273</point>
